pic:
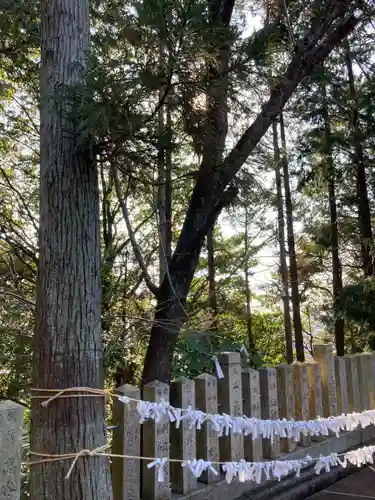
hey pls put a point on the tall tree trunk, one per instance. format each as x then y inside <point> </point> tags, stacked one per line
<point>212,297</point>
<point>164,196</point>
<point>336,263</point>
<point>108,259</point>
<point>281,238</point>
<point>161,188</point>
<point>293,270</point>
<point>364,214</point>
<point>216,128</point>
<point>67,340</point>
<point>249,318</point>
<point>214,188</point>
<point>168,186</point>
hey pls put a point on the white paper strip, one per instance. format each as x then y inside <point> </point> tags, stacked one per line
<point>277,469</point>
<point>224,424</point>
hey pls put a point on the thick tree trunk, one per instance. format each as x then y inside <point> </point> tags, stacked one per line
<point>213,189</point>
<point>67,340</point>
<point>364,214</point>
<point>249,318</point>
<point>212,298</point>
<point>281,239</point>
<point>293,270</point>
<point>336,263</point>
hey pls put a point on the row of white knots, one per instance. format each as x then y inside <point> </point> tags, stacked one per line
<point>254,471</point>
<point>224,424</point>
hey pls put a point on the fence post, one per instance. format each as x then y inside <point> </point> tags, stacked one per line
<point>315,389</point>
<point>251,408</point>
<point>155,444</point>
<point>323,354</point>
<point>301,387</point>
<point>11,426</point>
<point>371,367</point>
<point>126,473</point>
<point>364,379</point>
<point>269,408</point>
<point>183,445</point>
<point>354,402</point>
<point>342,385</point>
<point>230,402</point>
<point>286,401</point>
<point>207,439</point>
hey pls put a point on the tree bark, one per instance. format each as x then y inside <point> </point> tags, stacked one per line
<point>364,214</point>
<point>67,340</point>
<point>293,269</point>
<point>281,238</point>
<point>213,188</point>
<point>336,263</point>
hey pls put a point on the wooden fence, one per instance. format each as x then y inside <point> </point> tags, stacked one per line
<point>323,387</point>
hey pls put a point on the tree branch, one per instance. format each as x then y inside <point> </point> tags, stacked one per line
<point>19,194</point>
<point>210,186</point>
<point>138,255</point>
<point>29,303</point>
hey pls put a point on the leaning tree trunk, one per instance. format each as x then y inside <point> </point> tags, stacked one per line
<point>336,263</point>
<point>293,270</point>
<point>214,189</point>
<point>67,340</point>
<point>364,214</point>
<point>214,136</point>
<point>281,238</point>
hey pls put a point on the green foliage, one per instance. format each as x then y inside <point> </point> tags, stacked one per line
<point>357,302</point>
<point>194,352</point>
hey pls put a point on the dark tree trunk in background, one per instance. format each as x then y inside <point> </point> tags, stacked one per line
<point>212,297</point>
<point>216,128</point>
<point>213,188</point>
<point>109,255</point>
<point>281,239</point>
<point>336,263</point>
<point>293,270</point>
<point>249,319</point>
<point>67,340</point>
<point>164,197</point>
<point>364,214</point>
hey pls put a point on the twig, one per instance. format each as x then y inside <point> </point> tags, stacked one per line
<point>152,287</point>
<point>27,302</point>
